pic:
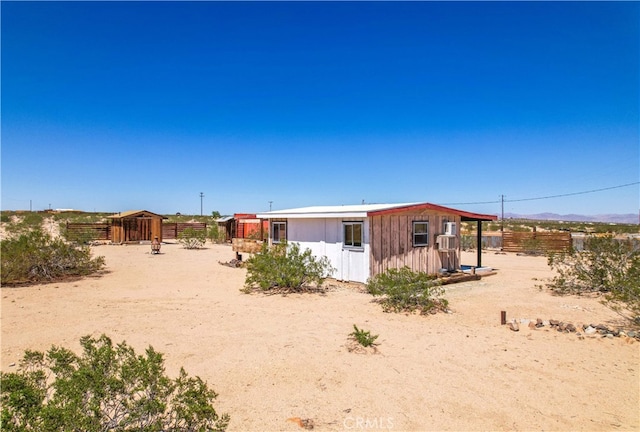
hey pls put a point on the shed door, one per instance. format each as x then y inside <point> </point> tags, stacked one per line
<point>353,251</point>
<point>130,230</point>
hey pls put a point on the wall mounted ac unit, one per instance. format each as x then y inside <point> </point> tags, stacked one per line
<point>446,242</point>
<point>450,229</point>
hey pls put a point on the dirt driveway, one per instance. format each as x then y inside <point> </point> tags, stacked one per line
<point>274,359</point>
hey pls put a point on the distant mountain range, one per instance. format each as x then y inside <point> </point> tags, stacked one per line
<point>628,218</point>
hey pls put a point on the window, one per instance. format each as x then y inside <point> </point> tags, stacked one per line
<point>278,232</point>
<point>352,234</point>
<point>420,233</point>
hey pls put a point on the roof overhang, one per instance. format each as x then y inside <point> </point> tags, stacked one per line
<point>134,214</point>
<point>465,216</point>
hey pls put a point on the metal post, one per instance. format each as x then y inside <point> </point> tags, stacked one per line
<point>502,214</point>
<point>479,242</point>
<point>201,196</point>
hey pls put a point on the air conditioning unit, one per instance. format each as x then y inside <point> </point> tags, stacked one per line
<point>450,229</point>
<point>446,242</point>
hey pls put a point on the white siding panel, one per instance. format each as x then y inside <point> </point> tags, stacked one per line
<point>324,238</point>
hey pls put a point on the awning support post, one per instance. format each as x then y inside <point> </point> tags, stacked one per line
<point>479,243</point>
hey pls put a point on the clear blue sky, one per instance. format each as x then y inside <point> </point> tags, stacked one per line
<point>114,106</point>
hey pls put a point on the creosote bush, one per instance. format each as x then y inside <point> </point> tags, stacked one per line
<point>37,257</point>
<point>283,267</point>
<point>192,239</point>
<point>403,290</point>
<point>107,388</point>
<point>607,266</point>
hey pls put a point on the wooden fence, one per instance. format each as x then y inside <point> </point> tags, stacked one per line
<point>171,230</point>
<point>102,231</point>
<point>536,241</point>
<point>84,232</point>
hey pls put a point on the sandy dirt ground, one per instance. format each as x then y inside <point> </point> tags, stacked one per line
<point>274,359</point>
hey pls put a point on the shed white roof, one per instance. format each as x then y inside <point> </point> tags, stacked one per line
<point>366,210</point>
<point>224,219</point>
<point>342,211</point>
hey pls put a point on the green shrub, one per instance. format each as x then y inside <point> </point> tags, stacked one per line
<point>16,224</point>
<point>36,257</point>
<point>32,220</point>
<point>607,266</point>
<point>107,388</point>
<point>192,239</point>
<point>215,234</point>
<point>403,290</point>
<point>284,267</point>
<point>468,242</point>
<point>364,338</point>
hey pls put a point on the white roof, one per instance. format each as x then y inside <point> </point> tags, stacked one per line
<point>344,211</point>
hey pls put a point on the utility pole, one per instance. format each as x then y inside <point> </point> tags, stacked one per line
<point>502,214</point>
<point>270,202</point>
<point>201,196</point>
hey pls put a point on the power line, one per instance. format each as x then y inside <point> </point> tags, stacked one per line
<point>545,197</point>
<point>574,193</point>
<point>471,203</point>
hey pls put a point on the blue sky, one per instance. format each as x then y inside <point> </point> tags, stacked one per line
<point>110,106</point>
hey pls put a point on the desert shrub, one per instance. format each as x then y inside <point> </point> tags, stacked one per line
<point>32,220</point>
<point>192,239</point>
<point>21,223</point>
<point>608,266</point>
<point>468,242</point>
<point>284,267</point>
<point>364,338</point>
<point>107,388</point>
<point>215,234</point>
<point>403,290</point>
<point>5,217</point>
<point>36,256</point>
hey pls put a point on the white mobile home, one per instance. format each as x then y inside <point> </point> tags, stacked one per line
<point>364,240</point>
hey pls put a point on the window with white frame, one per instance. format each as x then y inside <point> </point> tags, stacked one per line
<point>352,234</point>
<point>278,231</point>
<point>420,233</point>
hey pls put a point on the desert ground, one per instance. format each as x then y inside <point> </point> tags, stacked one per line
<point>276,360</point>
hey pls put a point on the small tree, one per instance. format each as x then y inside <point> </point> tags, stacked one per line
<point>192,239</point>
<point>403,290</point>
<point>608,266</point>
<point>107,388</point>
<point>285,268</point>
